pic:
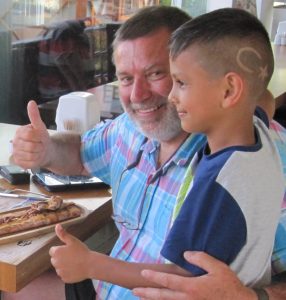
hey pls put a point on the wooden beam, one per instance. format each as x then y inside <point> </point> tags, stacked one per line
<point>81,9</point>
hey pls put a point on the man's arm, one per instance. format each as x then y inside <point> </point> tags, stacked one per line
<point>65,154</point>
<point>220,282</point>
<point>33,147</point>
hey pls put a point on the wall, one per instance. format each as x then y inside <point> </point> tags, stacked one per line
<point>265,12</point>
<point>279,14</point>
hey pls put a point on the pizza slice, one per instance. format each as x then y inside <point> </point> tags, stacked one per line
<point>40,214</point>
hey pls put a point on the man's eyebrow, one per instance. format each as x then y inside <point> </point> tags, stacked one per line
<point>153,66</point>
<point>122,73</point>
<point>146,69</point>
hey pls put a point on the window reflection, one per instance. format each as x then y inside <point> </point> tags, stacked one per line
<point>44,61</point>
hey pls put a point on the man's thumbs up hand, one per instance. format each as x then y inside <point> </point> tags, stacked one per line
<point>31,142</point>
<point>34,116</point>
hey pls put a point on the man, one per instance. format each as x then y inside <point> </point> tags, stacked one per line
<point>145,173</point>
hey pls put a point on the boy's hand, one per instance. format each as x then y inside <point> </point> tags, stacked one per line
<point>70,260</point>
<point>32,142</point>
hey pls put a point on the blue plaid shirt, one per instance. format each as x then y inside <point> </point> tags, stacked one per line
<point>143,195</point>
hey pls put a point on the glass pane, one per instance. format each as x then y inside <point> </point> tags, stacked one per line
<point>48,49</point>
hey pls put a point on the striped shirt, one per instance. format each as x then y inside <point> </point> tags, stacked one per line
<point>143,195</point>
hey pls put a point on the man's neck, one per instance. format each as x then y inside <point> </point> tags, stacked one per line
<point>167,149</point>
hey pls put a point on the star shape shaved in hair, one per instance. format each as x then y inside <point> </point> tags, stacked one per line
<point>263,73</point>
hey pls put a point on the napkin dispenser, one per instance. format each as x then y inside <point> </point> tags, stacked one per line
<point>77,112</point>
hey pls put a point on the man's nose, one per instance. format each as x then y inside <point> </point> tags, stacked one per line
<point>140,90</point>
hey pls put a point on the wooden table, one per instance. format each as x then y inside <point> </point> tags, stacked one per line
<point>21,262</point>
<point>277,83</point>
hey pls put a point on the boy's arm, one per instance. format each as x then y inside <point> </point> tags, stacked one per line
<point>128,274</point>
<point>74,262</point>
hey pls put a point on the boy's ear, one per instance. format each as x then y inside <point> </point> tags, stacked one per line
<point>233,88</point>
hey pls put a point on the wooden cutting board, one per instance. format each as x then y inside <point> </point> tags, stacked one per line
<point>26,234</point>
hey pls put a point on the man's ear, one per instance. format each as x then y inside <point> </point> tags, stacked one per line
<point>233,89</point>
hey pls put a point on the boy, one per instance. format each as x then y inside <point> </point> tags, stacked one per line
<point>221,64</point>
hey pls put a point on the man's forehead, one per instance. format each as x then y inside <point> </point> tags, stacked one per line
<point>157,39</point>
<point>140,55</point>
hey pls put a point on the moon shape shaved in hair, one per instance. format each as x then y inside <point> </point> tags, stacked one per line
<point>239,56</point>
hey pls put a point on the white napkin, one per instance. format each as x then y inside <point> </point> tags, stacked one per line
<point>78,112</point>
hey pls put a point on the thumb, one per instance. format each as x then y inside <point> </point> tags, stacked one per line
<point>204,261</point>
<point>34,115</point>
<point>64,236</point>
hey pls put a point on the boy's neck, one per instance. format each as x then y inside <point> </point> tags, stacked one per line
<point>241,134</point>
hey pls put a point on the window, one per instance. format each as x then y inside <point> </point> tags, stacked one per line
<point>34,60</point>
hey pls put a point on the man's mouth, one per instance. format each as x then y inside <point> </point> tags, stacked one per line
<point>148,110</point>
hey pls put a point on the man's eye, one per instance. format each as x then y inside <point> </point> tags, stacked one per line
<point>156,75</point>
<point>125,80</point>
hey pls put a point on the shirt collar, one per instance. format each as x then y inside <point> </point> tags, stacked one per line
<point>182,156</point>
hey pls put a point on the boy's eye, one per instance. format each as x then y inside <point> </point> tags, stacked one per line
<point>180,83</point>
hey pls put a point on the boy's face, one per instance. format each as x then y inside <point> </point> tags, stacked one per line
<point>195,93</point>
<point>142,68</point>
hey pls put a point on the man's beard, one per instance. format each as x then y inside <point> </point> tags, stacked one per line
<point>166,127</point>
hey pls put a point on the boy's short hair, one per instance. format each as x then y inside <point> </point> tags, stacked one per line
<point>148,20</point>
<point>229,40</point>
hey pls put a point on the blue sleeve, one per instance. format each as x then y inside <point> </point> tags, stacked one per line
<point>261,114</point>
<point>97,148</point>
<point>109,147</point>
<point>211,221</point>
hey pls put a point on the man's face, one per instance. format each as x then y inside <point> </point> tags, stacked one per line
<point>142,68</point>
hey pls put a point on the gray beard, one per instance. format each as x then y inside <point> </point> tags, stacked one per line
<point>165,130</point>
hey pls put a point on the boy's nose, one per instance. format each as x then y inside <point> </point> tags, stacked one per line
<point>172,98</point>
